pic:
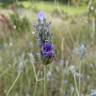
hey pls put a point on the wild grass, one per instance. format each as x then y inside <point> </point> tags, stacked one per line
<point>73,70</point>
<point>49,7</point>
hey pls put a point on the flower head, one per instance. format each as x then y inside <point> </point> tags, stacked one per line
<point>44,36</point>
<point>41,15</point>
<point>48,50</point>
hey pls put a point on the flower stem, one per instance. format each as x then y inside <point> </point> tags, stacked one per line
<point>13,84</point>
<point>45,81</point>
<point>76,85</point>
<point>34,93</point>
<point>79,77</point>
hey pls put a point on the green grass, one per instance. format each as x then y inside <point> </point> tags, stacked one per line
<point>50,7</point>
<point>70,10</point>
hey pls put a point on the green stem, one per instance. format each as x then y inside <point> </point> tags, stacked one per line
<point>62,83</point>
<point>79,78</point>
<point>35,72</point>
<point>45,81</point>
<point>13,84</point>
<point>76,85</point>
<point>34,94</point>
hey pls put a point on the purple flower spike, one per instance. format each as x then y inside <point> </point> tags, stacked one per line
<point>41,15</point>
<point>48,50</point>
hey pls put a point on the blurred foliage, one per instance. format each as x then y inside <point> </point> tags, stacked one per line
<point>7,1</point>
<point>20,25</point>
<point>71,2</point>
<point>75,31</point>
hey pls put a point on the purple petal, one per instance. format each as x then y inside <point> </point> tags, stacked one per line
<point>41,15</point>
<point>48,50</point>
<point>49,54</point>
<point>48,46</point>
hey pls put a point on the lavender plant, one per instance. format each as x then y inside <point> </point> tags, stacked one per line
<point>44,38</point>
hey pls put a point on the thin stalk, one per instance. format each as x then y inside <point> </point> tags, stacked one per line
<point>34,93</point>
<point>13,84</point>
<point>79,78</point>
<point>45,81</point>
<point>35,72</point>
<point>62,83</point>
<point>62,58</point>
<point>75,82</point>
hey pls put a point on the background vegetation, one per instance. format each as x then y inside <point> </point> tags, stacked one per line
<point>73,70</point>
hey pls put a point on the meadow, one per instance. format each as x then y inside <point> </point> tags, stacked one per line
<point>73,70</point>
